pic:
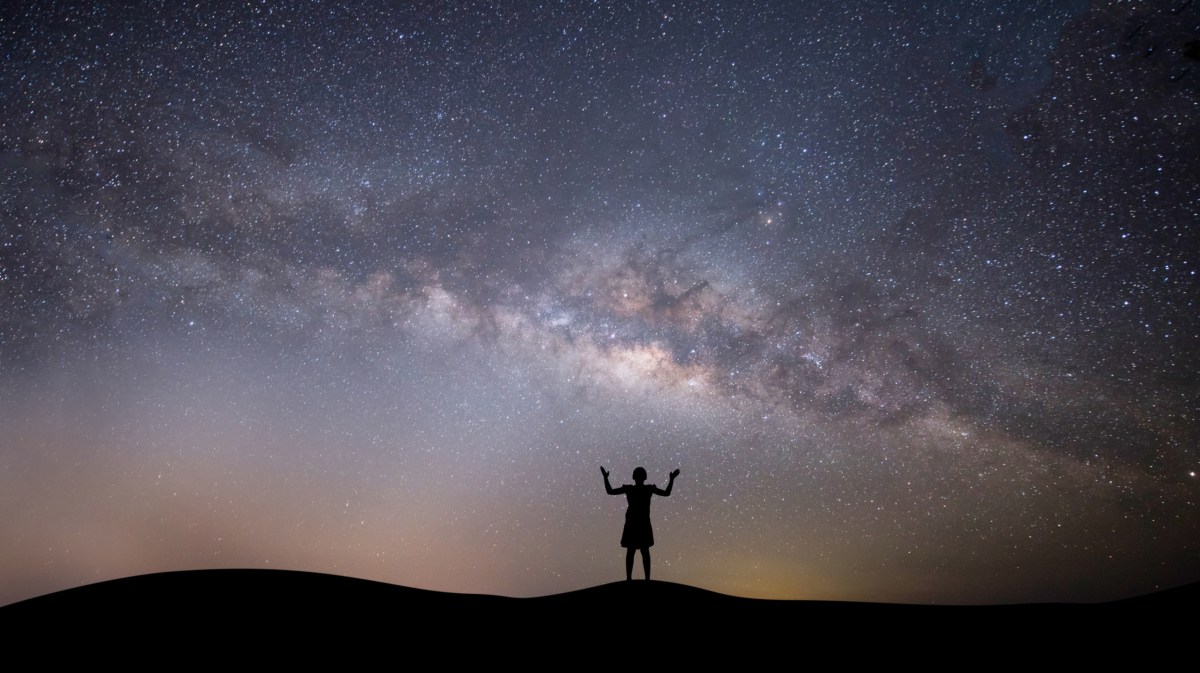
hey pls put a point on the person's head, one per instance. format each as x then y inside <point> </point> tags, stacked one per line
<point>639,474</point>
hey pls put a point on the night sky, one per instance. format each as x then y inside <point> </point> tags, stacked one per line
<point>907,290</point>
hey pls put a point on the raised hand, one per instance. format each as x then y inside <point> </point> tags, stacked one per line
<point>675,473</point>
<point>604,472</point>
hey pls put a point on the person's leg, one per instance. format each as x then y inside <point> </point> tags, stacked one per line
<point>629,562</point>
<point>646,561</point>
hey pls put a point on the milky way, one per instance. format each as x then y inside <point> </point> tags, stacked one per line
<point>906,290</point>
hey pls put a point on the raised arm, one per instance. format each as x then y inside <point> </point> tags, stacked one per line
<point>670,485</point>
<point>608,487</point>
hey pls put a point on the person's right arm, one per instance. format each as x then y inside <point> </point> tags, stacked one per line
<point>670,485</point>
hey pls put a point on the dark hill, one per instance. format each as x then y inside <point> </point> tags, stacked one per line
<point>253,607</point>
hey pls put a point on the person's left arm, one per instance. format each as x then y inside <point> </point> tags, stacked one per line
<point>608,487</point>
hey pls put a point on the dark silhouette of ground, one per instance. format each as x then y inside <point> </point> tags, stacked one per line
<point>275,615</point>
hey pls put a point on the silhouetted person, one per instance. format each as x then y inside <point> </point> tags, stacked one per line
<point>637,533</point>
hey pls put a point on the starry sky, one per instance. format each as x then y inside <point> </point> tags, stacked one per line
<point>907,290</point>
